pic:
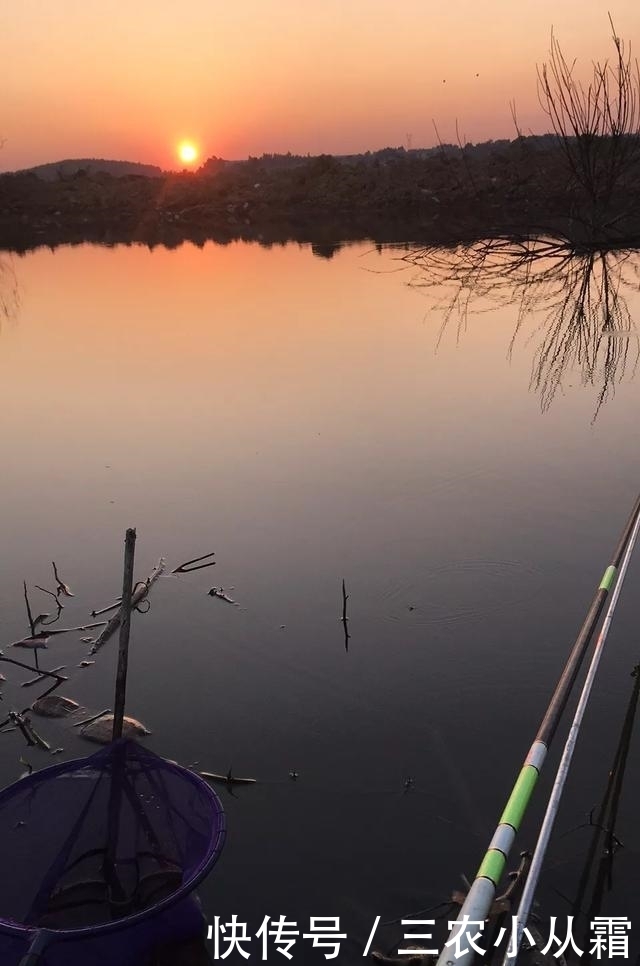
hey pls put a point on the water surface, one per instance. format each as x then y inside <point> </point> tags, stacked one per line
<point>299,417</point>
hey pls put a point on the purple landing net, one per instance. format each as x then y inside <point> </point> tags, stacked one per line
<point>98,844</point>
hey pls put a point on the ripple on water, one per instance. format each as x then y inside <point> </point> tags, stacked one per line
<point>462,591</point>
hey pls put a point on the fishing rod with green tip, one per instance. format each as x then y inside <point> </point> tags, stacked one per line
<point>477,905</point>
<point>526,900</point>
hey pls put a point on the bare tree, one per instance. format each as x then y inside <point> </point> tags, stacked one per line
<point>597,124</point>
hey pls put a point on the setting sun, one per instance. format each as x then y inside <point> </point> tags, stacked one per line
<point>187,152</point>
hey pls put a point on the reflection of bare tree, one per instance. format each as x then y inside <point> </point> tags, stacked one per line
<point>574,299</point>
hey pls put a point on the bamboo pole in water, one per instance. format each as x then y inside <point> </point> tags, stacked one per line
<point>477,905</point>
<point>125,624</point>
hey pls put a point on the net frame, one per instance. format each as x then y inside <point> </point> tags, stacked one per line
<point>197,874</point>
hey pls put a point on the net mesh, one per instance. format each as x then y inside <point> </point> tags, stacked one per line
<point>105,838</point>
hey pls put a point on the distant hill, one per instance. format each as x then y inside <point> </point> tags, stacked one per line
<point>213,166</point>
<point>288,161</point>
<point>70,167</point>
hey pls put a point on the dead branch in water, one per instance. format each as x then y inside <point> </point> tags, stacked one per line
<point>32,623</point>
<point>187,568</point>
<point>344,618</point>
<point>29,667</point>
<point>58,605</point>
<point>17,717</point>
<point>62,588</point>
<point>30,735</point>
<point>42,675</point>
<point>105,610</point>
<point>228,778</point>
<point>81,627</point>
<point>20,723</point>
<point>140,592</point>
<point>94,717</point>
<point>39,740</point>
<point>50,593</point>
<point>39,640</point>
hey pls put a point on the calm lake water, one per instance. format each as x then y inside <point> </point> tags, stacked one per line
<point>301,417</point>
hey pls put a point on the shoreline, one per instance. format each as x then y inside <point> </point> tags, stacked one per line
<point>444,200</point>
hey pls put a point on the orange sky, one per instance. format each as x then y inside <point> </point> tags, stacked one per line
<point>85,78</point>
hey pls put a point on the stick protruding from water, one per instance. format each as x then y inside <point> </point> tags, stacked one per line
<point>344,618</point>
<point>125,624</point>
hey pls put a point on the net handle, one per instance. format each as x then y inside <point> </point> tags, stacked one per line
<point>39,944</point>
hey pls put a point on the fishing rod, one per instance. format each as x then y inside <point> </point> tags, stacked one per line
<point>526,899</point>
<point>605,821</point>
<point>477,905</point>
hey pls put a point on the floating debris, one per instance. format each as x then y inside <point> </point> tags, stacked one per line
<point>85,663</point>
<point>35,642</point>
<point>294,775</point>
<point>100,729</point>
<point>220,593</point>
<point>55,706</point>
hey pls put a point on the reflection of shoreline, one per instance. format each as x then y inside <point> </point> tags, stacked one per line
<point>22,241</point>
<point>327,234</point>
<point>326,231</point>
<point>9,293</point>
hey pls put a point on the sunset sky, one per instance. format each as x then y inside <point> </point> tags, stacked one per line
<point>132,80</point>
